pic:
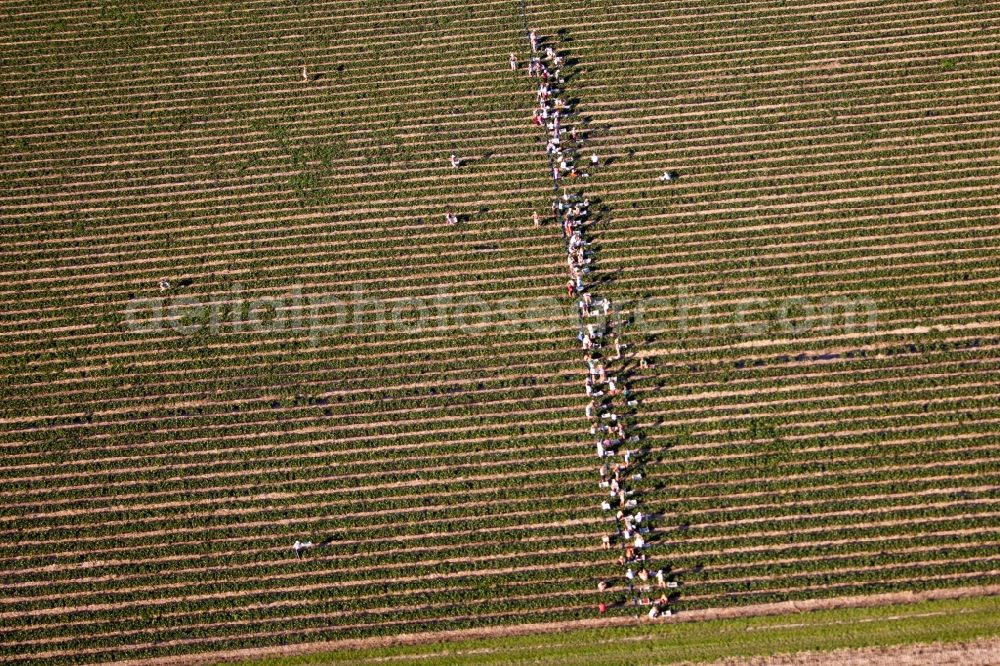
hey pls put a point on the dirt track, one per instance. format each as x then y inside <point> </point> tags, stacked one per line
<point>973,653</point>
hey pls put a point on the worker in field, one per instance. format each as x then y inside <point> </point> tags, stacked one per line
<point>164,284</point>
<point>644,577</point>
<point>668,177</point>
<point>536,219</point>
<point>513,62</point>
<point>300,546</point>
<point>533,38</point>
<point>305,73</point>
<point>455,162</point>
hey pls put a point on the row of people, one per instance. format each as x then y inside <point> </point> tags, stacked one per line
<point>607,393</point>
<point>552,112</point>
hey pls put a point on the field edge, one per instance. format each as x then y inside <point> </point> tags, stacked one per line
<point>713,619</point>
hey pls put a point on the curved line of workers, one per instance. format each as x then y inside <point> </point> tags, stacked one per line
<point>572,213</point>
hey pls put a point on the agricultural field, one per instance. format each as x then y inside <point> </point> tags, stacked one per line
<point>944,631</point>
<point>814,298</point>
